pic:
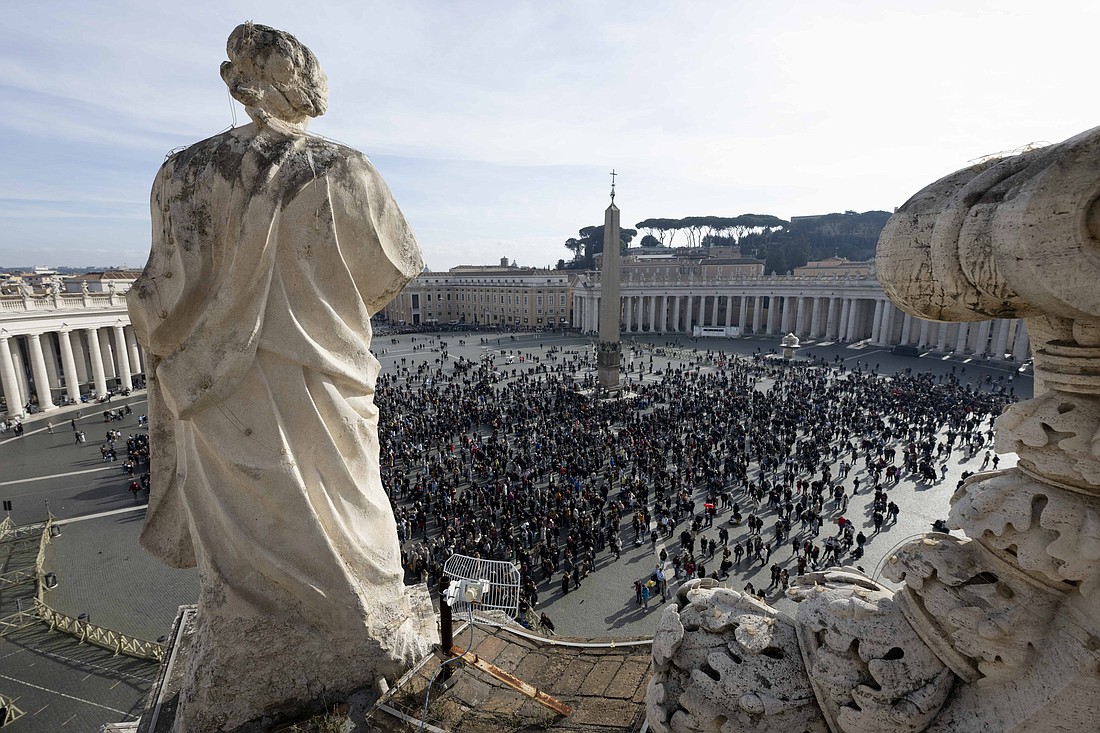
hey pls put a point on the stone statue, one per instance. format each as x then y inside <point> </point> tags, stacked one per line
<point>271,251</point>
<point>995,633</point>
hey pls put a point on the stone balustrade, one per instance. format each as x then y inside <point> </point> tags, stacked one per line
<point>63,347</point>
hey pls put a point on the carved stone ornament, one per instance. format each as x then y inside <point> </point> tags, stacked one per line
<point>998,632</point>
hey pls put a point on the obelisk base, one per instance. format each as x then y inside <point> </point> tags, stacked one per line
<point>608,360</point>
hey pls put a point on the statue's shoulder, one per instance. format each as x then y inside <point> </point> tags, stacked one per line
<point>203,153</point>
<point>337,154</point>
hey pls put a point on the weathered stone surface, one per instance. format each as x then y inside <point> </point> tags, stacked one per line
<point>871,671</point>
<point>725,662</point>
<point>271,250</point>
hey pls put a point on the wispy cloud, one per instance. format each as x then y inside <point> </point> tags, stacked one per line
<point>496,123</point>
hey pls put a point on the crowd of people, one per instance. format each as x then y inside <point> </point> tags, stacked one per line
<point>716,464</point>
<point>721,460</point>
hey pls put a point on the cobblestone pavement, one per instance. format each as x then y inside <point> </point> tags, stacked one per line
<point>63,685</point>
<point>102,571</point>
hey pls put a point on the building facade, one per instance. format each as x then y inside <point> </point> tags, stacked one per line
<point>57,348</point>
<point>506,296</point>
<point>60,347</point>
<point>846,309</point>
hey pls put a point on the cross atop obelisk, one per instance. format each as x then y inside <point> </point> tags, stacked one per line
<point>609,352</point>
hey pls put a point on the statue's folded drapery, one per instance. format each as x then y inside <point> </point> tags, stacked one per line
<point>270,252</point>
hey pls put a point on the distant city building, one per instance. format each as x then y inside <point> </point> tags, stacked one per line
<point>485,295</point>
<point>100,282</point>
<point>835,266</point>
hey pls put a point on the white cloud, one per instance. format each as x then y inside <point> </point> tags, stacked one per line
<point>495,122</point>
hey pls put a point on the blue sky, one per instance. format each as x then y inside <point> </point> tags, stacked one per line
<point>496,123</point>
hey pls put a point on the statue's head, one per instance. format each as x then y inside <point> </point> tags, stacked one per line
<point>274,75</point>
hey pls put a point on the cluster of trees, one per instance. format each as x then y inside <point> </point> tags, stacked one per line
<point>782,245</point>
<point>589,243</point>
<point>701,231</point>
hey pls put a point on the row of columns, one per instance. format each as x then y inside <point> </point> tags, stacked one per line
<point>70,361</point>
<point>837,318</point>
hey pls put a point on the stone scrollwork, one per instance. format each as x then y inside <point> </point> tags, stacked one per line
<point>982,616</point>
<point>725,662</point>
<point>1052,534</point>
<point>871,671</point>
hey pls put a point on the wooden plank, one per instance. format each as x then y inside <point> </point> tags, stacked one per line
<point>514,682</point>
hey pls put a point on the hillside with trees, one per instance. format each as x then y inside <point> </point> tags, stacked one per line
<point>782,245</point>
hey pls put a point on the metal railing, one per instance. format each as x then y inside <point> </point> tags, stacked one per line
<point>116,641</point>
<point>17,621</point>
<point>16,577</point>
<point>8,712</point>
<point>82,629</point>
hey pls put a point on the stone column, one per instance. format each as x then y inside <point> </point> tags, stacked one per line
<point>95,356</point>
<point>729,309</point>
<point>742,315</point>
<point>775,315</point>
<point>108,353</point>
<point>832,318</point>
<point>1000,341</point>
<point>676,314</point>
<point>855,315</point>
<point>51,356</point>
<point>663,317</point>
<point>1021,342</point>
<point>961,339</point>
<point>121,354</point>
<point>887,334</point>
<point>876,328</point>
<point>136,366</point>
<point>12,394</point>
<point>982,346</point>
<point>79,355</point>
<point>38,368</point>
<point>786,324</point>
<point>628,313</point>
<point>68,365</point>
<point>941,341</point>
<point>19,363</point>
<point>801,306</point>
<point>757,313</point>
<point>922,340</point>
<point>906,329</point>
<point>845,319</point>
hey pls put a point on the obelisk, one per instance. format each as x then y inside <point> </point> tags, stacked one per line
<point>609,352</point>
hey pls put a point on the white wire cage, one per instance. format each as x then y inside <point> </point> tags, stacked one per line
<point>502,596</point>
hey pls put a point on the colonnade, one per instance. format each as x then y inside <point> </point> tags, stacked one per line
<point>60,366</point>
<point>869,317</point>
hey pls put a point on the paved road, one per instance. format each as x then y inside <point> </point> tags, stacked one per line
<point>42,466</point>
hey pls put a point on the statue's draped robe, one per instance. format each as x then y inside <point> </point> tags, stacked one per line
<point>270,253</point>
